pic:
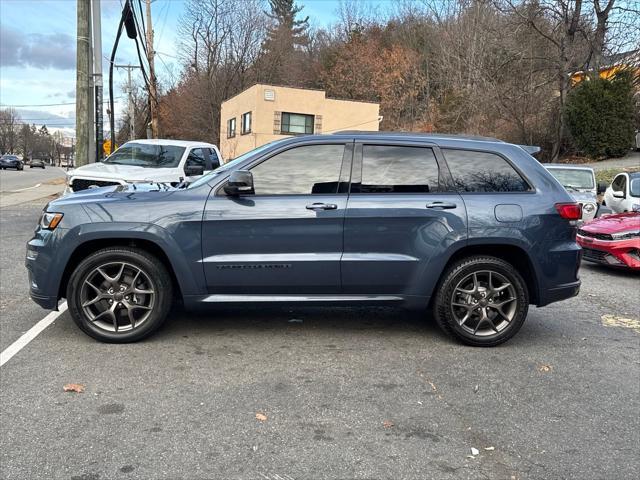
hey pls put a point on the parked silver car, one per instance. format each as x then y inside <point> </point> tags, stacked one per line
<point>581,184</point>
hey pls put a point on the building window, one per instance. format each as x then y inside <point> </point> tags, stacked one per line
<point>246,123</point>
<point>231,127</point>
<point>296,123</point>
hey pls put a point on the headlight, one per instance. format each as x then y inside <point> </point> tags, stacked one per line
<point>588,208</point>
<point>50,221</point>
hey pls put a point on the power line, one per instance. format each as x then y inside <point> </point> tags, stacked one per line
<point>5,105</point>
<point>37,105</point>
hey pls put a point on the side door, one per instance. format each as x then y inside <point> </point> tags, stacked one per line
<point>402,216</point>
<point>196,157</point>
<point>618,185</point>
<point>287,237</point>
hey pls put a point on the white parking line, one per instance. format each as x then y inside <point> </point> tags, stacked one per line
<point>26,188</point>
<point>30,334</point>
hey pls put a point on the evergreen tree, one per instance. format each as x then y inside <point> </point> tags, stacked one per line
<point>600,115</point>
<point>280,62</point>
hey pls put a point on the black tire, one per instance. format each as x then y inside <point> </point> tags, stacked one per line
<point>448,293</point>
<point>136,258</point>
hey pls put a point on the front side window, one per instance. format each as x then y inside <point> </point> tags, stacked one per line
<point>306,170</point>
<point>296,123</point>
<point>246,123</point>
<point>231,127</point>
<point>196,157</point>
<point>149,155</point>
<point>474,171</point>
<point>398,169</point>
<point>619,183</point>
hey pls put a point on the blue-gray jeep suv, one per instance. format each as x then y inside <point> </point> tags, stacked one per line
<point>474,228</point>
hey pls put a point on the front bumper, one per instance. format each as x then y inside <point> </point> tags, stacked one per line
<point>614,253</point>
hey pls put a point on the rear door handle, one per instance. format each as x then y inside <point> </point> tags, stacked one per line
<point>322,206</point>
<point>442,205</point>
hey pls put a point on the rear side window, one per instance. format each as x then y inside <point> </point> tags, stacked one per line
<point>398,169</point>
<point>483,172</point>
<point>213,156</point>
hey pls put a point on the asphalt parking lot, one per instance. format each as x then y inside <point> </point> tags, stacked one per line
<point>346,393</point>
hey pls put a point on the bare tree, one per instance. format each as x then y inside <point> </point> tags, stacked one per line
<point>9,125</point>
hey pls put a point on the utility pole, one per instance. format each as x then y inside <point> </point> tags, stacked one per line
<point>84,114</point>
<point>97,76</point>
<point>153,92</point>
<point>131,107</point>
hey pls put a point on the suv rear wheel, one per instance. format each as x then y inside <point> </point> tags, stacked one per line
<point>481,301</point>
<point>119,295</point>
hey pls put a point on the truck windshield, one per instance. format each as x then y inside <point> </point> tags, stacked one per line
<point>634,187</point>
<point>146,155</point>
<point>574,179</point>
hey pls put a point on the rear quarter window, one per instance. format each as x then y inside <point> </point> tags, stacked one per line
<point>475,171</point>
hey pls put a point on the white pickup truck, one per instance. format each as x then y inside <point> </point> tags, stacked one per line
<point>164,161</point>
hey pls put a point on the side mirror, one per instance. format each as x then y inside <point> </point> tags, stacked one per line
<point>193,170</point>
<point>602,187</point>
<point>618,194</point>
<point>240,183</point>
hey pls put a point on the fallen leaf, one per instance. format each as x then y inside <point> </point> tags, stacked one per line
<point>387,424</point>
<point>545,368</point>
<point>471,456</point>
<point>475,389</point>
<point>474,451</point>
<point>489,448</point>
<point>261,416</point>
<point>73,387</point>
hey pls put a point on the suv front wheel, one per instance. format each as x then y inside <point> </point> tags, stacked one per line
<point>482,301</point>
<point>119,295</point>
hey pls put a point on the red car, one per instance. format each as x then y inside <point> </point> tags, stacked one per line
<point>612,240</point>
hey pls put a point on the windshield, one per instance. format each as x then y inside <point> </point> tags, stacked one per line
<point>146,155</point>
<point>574,179</point>
<point>230,164</point>
<point>634,187</point>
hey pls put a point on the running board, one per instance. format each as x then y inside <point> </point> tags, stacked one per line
<point>299,298</point>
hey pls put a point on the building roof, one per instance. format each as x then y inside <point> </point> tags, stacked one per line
<point>298,88</point>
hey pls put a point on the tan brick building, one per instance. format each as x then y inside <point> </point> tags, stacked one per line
<point>263,113</point>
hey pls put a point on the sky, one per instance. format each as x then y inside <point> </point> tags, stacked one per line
<point>38,53</point>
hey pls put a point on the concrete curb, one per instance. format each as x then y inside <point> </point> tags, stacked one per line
<point>8,199</point>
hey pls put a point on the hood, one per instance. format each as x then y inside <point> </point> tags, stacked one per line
<point>107,171</point>
<point>583,197</point>
<point>133,192</point>
<point>620,222</point>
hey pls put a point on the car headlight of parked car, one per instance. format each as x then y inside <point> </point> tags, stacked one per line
<point>50,220</point>
<point>588,208</point>
<point>625,235</point>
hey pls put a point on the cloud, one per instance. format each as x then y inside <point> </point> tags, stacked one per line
<point>54,50</point>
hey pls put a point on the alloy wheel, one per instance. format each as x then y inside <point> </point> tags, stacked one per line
<point>484,303</point>
<point>117,296</point>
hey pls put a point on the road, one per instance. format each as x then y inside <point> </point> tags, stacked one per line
<point>347,393</point>
<point>12,180</point>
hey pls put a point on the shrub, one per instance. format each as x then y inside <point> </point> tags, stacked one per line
<point>600,115</point>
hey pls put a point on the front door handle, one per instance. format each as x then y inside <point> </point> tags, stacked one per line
<point>442,205</point>
<point>322,206</point>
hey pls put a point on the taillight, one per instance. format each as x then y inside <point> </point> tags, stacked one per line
<point>569,211</point>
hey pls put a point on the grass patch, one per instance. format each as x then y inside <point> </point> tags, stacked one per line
<point>608,174</point>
